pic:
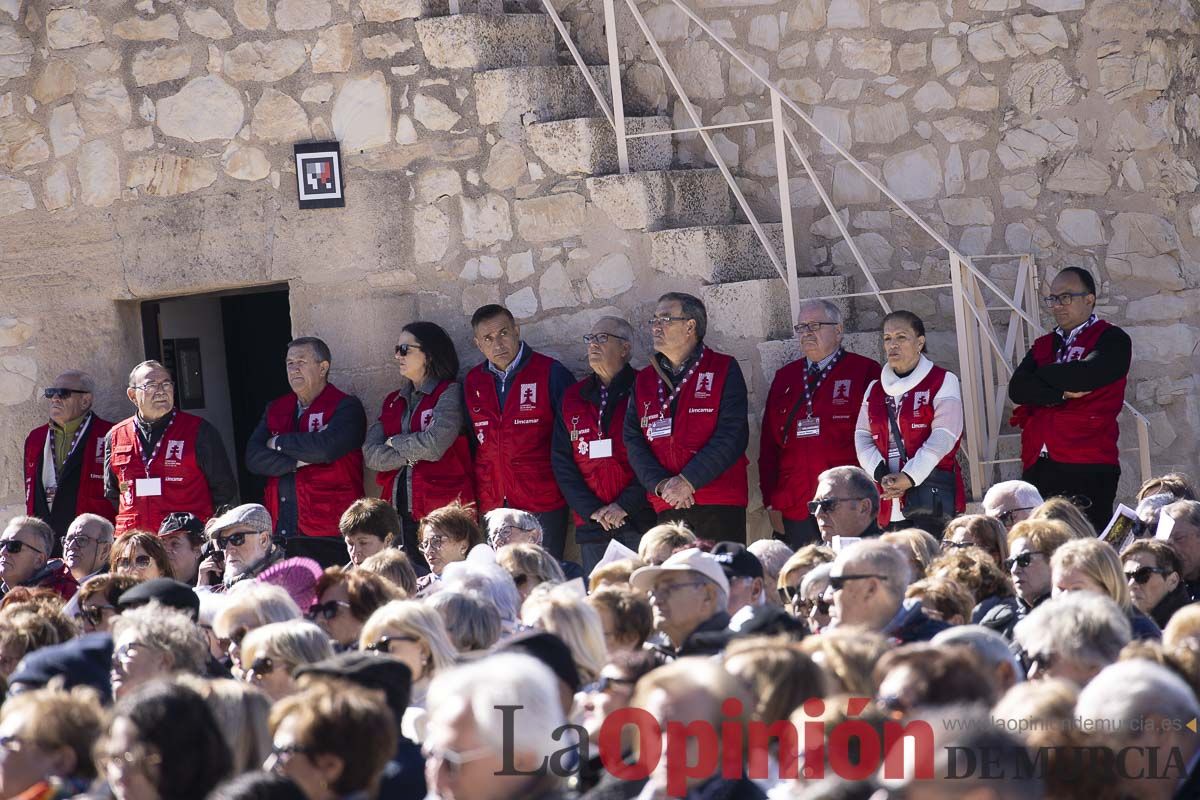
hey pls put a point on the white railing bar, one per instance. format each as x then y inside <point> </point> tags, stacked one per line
<point>966,374</point>
<point>883,291</point>
<point>674,131</point>
<point>751,217</point>
<point>614,81</point>
<point>583,67</point>
<point>837,219</point>
<point>990,256</point>
<point>785,208</point>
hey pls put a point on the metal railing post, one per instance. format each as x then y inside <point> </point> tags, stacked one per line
<point>614,78</point>
<point>785,204</point>
<point>967,377</point>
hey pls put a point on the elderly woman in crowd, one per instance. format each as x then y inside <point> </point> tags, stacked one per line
<point>345,599</point>
<point>529,565</point>
<point>394,565</point>
<point>248,606</point>
<point>626,616</point>
<point>614,573</point>
<point>141,555</point>
<point>797,566</point>
<point>55,731</point>
<point>415,634</point>
<point>472,623</point>
<point>240,711</point>
<point>507,526</point>
<point>1061,509</point>
<point>1090,565</point>
<point>565,613</point>
<point>661,541</point>
<point>492,583</point>
<point>1030,545</point>
<point>974,570</point>
<point>1072,636</point>
<point>943,598</point>
<point>809,603</point>
<point>446,535</point>
<point>270,653</point>
<point>977,530</point>
<point>163,743</point>
<point>1154,575</point>
<point>154,641</point>
<point>97,600</point>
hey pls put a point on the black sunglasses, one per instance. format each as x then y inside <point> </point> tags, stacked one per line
<point>1141,575</point>
<point>261,667</point>
<point>402,349</point>
<point>236,539</point>
<point>384,643</point>
<point>94,615</point>
<point>326,610</point>
<point>828,504</point>
<point>52,394</point>
<point>841,580</point>
<point>1022,561</point>
<point>15,546</point>
<point>1006,517</point>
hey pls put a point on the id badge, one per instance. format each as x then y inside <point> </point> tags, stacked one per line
<point>810,426</point>
<point>147,487</point>
<point>600,448</point>
<point>659,428</point>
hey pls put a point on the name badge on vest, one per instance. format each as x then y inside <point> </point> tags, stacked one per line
<point>810,426</point>
<point>600,448</point>
<point>147,487</point>
<point>659,428</point>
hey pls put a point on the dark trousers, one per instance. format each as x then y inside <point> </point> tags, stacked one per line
<point>328,551</point>
<point>1098,483</point>
<point>554,530</point>
<point>800,532</point>
<point>717,523</point>
<point>410,544</point>
<point>590,553</point>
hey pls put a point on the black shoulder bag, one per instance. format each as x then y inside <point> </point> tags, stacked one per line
<point>933,497</point>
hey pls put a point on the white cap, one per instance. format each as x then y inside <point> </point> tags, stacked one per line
<point>691,560</point>
<point>1024,494</point>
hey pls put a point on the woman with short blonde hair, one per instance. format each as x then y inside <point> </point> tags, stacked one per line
<point>270,653</point>
<point>986,533</point>
<point>529,565</point>
<point>565,613</point>
<point>1060,509</point>
<point>241,713</point>
<point>1091,565</point>
<point>661,541</point>
<point>414,633</point>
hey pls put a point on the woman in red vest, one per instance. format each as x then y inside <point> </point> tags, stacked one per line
<point>909,429</point>
<point>417,446</point>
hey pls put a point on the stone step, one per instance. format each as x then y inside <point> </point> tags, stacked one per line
<point>537,94</point>
<point>716,253</point>
<point>588,145</point>
<point>488,41</point>
<point>396,10</point>
<point>652,201</point>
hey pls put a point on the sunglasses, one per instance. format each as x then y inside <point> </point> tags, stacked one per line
<point>1141,575</point>
<point>15,546</point>
<point>137,562</point>
<point>402,349</point>
<point>1022,561</point>
<point>1006,517</point>
<point>326,611</point>
<point>261,667</point>
<point>54,394</point>
<point>236,539</point>
<point>838,583</point>
<point>94,615</point>
<point>605,682</point>
<point>828,504</point>
<point>384,643</point>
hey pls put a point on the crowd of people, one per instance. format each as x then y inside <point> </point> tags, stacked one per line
<point>161,639</point>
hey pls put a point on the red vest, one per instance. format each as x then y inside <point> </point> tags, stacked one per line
<point>323,491</point>
<point>693,424</point>
<point>1080,431</point>
<point>788,463</point>
<point>512,461</point>
<point>434,483</point>
<point>184,487</point>
<point>915,420</point>
<point>606,477</point>
<point>90,497</point>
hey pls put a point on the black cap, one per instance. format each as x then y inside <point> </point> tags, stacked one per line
<point>383,673</point>
<point>548,649</point>
<point>82,661</point>
<point>737,561</point>
<point>181,522</point>
<point>169,592</point>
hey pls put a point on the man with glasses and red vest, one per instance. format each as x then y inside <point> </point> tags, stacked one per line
<point>308,445</point>
<point>162,459</point>
<point>589,455</point>
<point>1069,391</point>
<point>809,420</point>
<point>64,459</point>
<point>512,400</point>
<point>686,429</point>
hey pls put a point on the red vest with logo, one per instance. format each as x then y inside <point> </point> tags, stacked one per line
<point>184,487</point>
<point>323,491</point>
<point>512,461</point>
<point>693,424</point>
<point>1080,431</point>
<point>609,476</point>
<point>789,463</point>
<point>90,498</point>
<point>914,417</point>
<point>434,483</point>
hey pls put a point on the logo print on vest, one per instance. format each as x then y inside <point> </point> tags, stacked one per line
<point>919,399</point>
<point>174,450</point>
<point>100,448</point>
<point>1075,354</point>
<point>583,448</point>
<point>426,418</point>
<point>316,422</point>
<point>704,383</point>
<point>841,390</point>
<point>528,396</point>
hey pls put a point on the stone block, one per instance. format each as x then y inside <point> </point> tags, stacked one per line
<point>716,253</point>
<point>755,309</point>
<point>550,218</point>
<point>588,146</point>
<point>660,199</point>
<point>482,42</point>
<point>532,94</point>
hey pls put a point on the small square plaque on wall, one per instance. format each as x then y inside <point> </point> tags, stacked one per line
<point>319,175</point>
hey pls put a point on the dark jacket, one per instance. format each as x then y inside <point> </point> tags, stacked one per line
<point>404,776</point>
<point>1172,602</point>
<point>611,788</point>
<point>53,575</point>
<point>911,624</point>
<point>1003,617</point>
<point>1143,627</point>
<point>709,639</point>
<point>992,607</point>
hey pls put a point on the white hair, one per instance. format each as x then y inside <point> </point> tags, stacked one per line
<point>507,679</point>
<point>497,518</point>
<point>771,553</point>
<point>882,558</point>
<point>1024,494</point>
<point>1083,626</point>
<point>106,529</point>
<point>990,646</point>
<point>818,573</point>
<point>1133,690</point>
<point>828,306</point>
<point>489,581</point>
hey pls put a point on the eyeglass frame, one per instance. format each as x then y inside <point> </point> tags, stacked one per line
<point>383,644</point>
<point>811,327</point>
<point>166,386</point>
<point>1028,555</point>
<point>453,760</point>
<point>595,338</point>
<point>1144,570</point>
<point>94,615</point>
<point>59,393</point>
<point>837,582</point>
<point>15,546</point>
<point>670,590</point>
<point>602,683</point>
<point>664,321</point>
<point>220,542</point>
<point>1006,516</point>
<point>1055,300</point>
<point>402,349</point>
<point>829,503</point>
<point>134,562</point>
<point>322,609</point>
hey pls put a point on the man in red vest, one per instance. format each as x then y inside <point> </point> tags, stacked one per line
<point>1069,391</point>
<point>809,419</point>
<point>512,399</point>
<point>161,459</point>
<point>686,429</point>
<point>64,459</point>
<point>308,445</point>
<point>589,456</point>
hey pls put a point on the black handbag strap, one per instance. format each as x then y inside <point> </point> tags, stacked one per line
<point>896,433</point>
<point>791,420</point>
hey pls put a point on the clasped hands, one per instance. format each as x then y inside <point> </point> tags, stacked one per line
<point>678,492</point>
<point>895,485</point>
<point>610,517</point>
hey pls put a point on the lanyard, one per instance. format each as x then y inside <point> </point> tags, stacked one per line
<point>1061,356</point>
<point>75,440</point>
<point>665,404</point>
<point>810,393</point>
<point>148,460</point>
<point>599,417</point>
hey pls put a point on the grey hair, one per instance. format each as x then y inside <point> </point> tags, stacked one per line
<point>151,363</point>
<point>771,553</point>
<point>85,380</point>
<point>106,528</point>
<point>472,622</point>
<point>1024,493</point>
<point>857,480</point>
<point>692,308</point>
<point>990,646</point>
<point>623,328</point>
<point>1133,690</point>
<point>169,631</point>
<point>1186,511</point>
<point>43,531</point>
<point>828,306</point>
<point>1083,626</point>
<point>497,518</point>
<point>295,641</point>
<point>489,581</point>
<point>1154,504</point>
<point>882,558</point>
<point>722,594</point>
<point>818,573</point>
<point>319,348</point>
<point>268,603</point>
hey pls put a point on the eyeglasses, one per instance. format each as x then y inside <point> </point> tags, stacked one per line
<point>15,546</point>
<point>138,757</point>
<point>53,394</point>
<point>811,327</point>
<point>827,505</point>
<point>666,591</point>
<point>604,682</point>
<point>261,667</point>
<point>1007,516</point>
<point>402,349</point>
<point>948,545</point>
<point>662,322</point>
<point>124,653</point>
<point>1141,575</point>
<point>94,615</point>
<point>384,643</point>
<point>601,338</point>
<point>1022,560</point>
<point>839,582</point>
<point>137,562</point>
<point>452,760</point>
<point>286,751</point>
<point>431,543</point>
<point>326,610</point>
<point>72,542</point>
<point>236,539</point>
<point>1064,299</point>
<point>152,387</point>
<point>504,535</point>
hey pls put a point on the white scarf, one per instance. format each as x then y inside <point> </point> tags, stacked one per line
<point>896,386</point>
<point>49,475</point>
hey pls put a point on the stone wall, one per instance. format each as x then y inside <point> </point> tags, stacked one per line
<point>145,152</point>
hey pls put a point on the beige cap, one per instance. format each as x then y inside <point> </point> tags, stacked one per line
<point>691,560</point>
